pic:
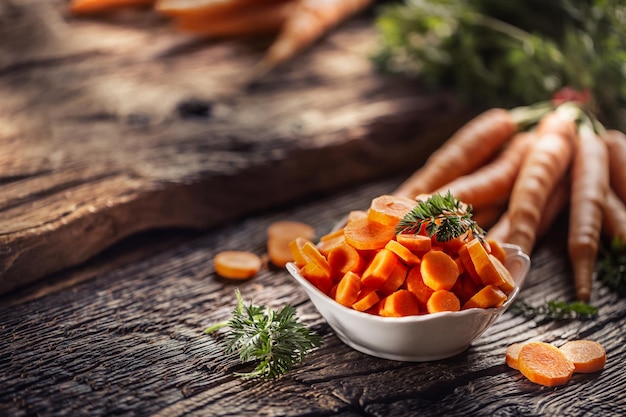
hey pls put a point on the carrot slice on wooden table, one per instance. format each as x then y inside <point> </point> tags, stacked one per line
<point>588,356</point>
<point>390,209</point>
<point>344,258</point>
<point>395,279</point>
<point>280,234</point>
<point>443,300</point>
<point>364,234</point>
<point>487,297</point>
<point>368,297</point>
<point>403,253</point>
<point>348,289</point>
<point>418,244</point>
<point>237,264</point>
<point>400,304</point>
<point>379,269</point>
<point>512,355</point>
<point>544,364</point>
<point>439,271</point>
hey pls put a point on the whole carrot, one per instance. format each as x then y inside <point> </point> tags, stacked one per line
<point>469,148</point>
<point>614,219</point>
<point>543,167</point>
<point>590,182</point>
<point>308,22</point>
<point>492,183</point>
<point>616,143</point>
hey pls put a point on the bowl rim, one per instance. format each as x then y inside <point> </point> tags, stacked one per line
<point>512,249</point>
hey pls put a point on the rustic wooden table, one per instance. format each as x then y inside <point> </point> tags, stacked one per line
<point>128,159</point>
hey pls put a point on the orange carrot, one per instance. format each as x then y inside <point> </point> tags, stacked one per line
<point>443,300</point>
<point>501,229</point>
<point>251,20</point>
<point>492,183</point>
<point>512,354</point>
<point>309,21</point>
<point>587,356</point>
<point>89,7</point>
<point>390,209</point>
<point>614,219</point>
<point>210,9</point>
<point>415,284</point>
<point>465,288</point>
<point>616,143</point>
<point>344,258</point>
<point>544,166</point>
<point>327,245</point>
<point>399,304</point>
<point>403,253</point>
<point>314,255</point>
<point>332,235</point>
<point>590,182</point>
<point>367,298</point>
<point>544,364</point>
<point>469,148</point>
<point>237,264</point>
<point>348,289</point>
<point>295,247</point>
<point>497,250</point>
<point>280,234</point>
<point>487,297</point>
<point>318,277</point>
<point>364,234</point>
<point>379,269</point>
<point>356,214</point>
<point>488,267</point>
<point>395,279</point>
<point>415,243</point>
<point>470,269</point>
<point>439,271</point>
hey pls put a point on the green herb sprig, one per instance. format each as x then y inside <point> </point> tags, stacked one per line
<point>442,216</point>
<point>276,340</point>
<point>554,310</point>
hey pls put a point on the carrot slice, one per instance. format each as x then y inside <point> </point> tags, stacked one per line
<point>348,289</point>
<point>379,270</point>
<point>325,246</point>
<point>399,304</point>
<point>415,284</point>
<point>237,264</point>
<point>389,209</point>
<point>587,356</point>
<point>395,280</point>
<point>512,355</point>
<point>317,258</point>
<point>489,296</point>
<point>415,243</point>
<point>368,297</point>
<point>443,300</point>
<point>497,250</point>
<point>332,235</point>
<point>466,259</point>
<point>544,364</point>
<point>356,214</point>
<point>280,234</point>
<point>403,253</point>
<point>484,264</point>
<point>465,288</point>
<point>364,234</point>
<point>344,258</point>
<point>295,247</point>
<point>508,284</point>
<point>439,271</point>
<point>316,276</point>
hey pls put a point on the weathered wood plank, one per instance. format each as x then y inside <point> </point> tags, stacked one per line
<point>128,341</point>
<point>112,126</point>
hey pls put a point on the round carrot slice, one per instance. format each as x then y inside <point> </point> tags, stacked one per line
<point>364,234</point>
<point>586,355</point>
<point>443,300</point>
<point>390,209</point>
<point>544,364</point>
<point>512,354</point>
<point>237,264</point>
<point>439,271</point>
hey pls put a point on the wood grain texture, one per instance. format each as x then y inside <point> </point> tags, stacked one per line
<point>115,125</point>
<point>126,339</point>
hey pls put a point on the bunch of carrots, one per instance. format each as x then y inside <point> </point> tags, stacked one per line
<point>521,168</point>
<point>370,267</point>
<point>297,23</point>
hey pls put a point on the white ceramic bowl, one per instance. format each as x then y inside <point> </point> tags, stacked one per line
<point>421,338</point>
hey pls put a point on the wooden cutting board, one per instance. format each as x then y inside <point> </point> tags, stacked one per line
<point>115,125</point>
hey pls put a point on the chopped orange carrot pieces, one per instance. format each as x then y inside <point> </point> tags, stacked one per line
<point>379,270</point>
<point>408,257</point>
<point>395,280</point>
<point>466,259</point>
<point>295,247</point>
<point>508,284</point>
<point>317,258</point>
<point>487,297</point>
<point>418,244</point>
<point>587,355</point>
<point>368,297</point>
<point>544,364</point>
<point>439,271</point>
<point>497,250</point>
<point>364,234</point>
<point>390,209</point>
<point>316,276</point>
<point>399,304</point>
<point>484,264</point>
<point>465,288</point>
<point>344,258</point>
<point>237,264</point>
<point>443,300</point>
<point>348,289</point>
<point>415,284</point>
<point>332,235</point>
